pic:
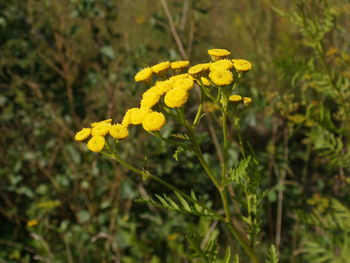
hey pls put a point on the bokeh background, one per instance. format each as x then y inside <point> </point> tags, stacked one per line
<point>67,63</point>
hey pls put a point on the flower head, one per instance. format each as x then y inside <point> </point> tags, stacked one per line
<point>126,119</point>
<point>205,81</point>
<point>222,63</point>
<point>153,121</point>
<point>242,65</point>
<point>218,53</point>
<point>149,98</point>
<point>143,75</point>
<point>176,97</point>
<point>198,69</point>
<point>96,143</point>
<point>99,122</point>
<point>137,116</point>
<point>178,65</point>
<point>32,222</point>
<point>162,86</point>
<point>210,107</point>
<point>82,134</point>
<point>184,83</point>
<point>118,131</point>
<point>100,129</point>
<point>247,101</point>
<point>161,67</point>
<point>235,98</point>
<point>221,77</point>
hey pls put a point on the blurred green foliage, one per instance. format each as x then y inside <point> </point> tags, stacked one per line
<point>65,64</point>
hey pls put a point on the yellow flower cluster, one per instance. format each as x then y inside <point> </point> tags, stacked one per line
<point>97,132</point>
<point>175,89</point>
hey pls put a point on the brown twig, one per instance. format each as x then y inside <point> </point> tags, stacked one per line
<point>173,30</point>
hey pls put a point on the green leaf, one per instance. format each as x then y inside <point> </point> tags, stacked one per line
<point>272,255</point>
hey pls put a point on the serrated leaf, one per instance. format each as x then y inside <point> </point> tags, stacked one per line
<point>172,203</point>
<point>183,202</point>
<point>272,255</point>
<point>162,200</point>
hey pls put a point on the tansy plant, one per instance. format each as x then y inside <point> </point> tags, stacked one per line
<point>170,87</point>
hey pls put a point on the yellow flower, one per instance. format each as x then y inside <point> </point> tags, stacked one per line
<point>178,65</point>
<point>162,86</point>
<point>126,119</point>
<point>161,67</point>
<point>235,98</point>
<point>222,63</point>
<point>32,222</point>
<point>184,83</point>
<point>242,65</point>
<point>100,129</point>
<point>176,97</point>
<point>149,98</point>
<point>221,77</point>
<point>218,53</point>
<point>198,69</point>
<point>210,107</point>
<point>153,121</point>
<point>205,81</point>
<point>82,134</point>
<point>247,101</point>
<point>118,131</point>
<point>96,143</point>
<point>99,122</point>
<point>144,74</point>
<point>138,115</point>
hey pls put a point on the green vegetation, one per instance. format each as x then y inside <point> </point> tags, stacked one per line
<point>65,64</point>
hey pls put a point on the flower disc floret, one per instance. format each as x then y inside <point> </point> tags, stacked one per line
<point>218,53</point>
<point>118,131</point>
<point>154,121</point>
<point>138,115</point>
<point>149,98</point>
<point>178,65</point>
<point>176,97</point>
<point>235,98</point>
<point>96,143</point>
<point>82,134</point>
<point>161,67</point>
<point>242,65</point>
<point>144,74</point>
<point>100,129</point>
<point>222,63</point>
<point>184,83</point>
<point>221,77</point>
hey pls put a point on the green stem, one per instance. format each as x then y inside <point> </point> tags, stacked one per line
<point>199,111</point>
<point>240,141</point>
<point>198,152</point>
<point>148,175</point>
<point>224,132</point>
<point>243,243</point>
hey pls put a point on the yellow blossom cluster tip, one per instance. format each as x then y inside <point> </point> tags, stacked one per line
<point>161,67</point>
<point>242,65</point>
<point>217,53</point>
<point>144,75</point>
<point>97,132</point>
<point>179,65</point>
